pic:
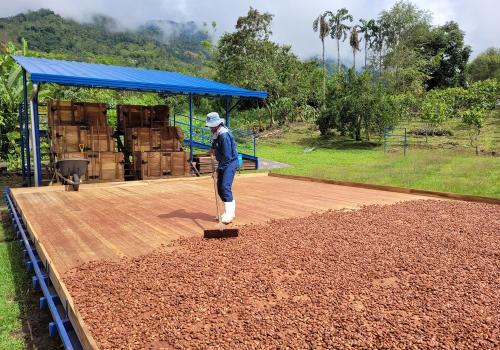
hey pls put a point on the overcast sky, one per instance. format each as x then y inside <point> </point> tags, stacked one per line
<point>292,22</point>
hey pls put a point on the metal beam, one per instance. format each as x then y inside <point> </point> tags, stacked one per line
<point>190,128</point>
<point>227,108</point>
<point>21,141</point>
<point>26,128</point>
<point>60,322</point>
<point>35,135</point>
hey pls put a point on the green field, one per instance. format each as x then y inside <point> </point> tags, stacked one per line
<point>22,324</point>
<point>12,277</point>
<point>448,170</point>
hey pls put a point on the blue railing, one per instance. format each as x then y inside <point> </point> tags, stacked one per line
<point>202,135</point>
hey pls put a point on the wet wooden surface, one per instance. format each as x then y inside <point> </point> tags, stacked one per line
<point>113,220</point>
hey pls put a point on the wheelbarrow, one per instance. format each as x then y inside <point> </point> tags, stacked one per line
<point>70,170</point>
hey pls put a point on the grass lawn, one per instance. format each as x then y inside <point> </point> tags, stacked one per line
<point>10,307</point>
<point>22,324</point>
<point>447,170</point>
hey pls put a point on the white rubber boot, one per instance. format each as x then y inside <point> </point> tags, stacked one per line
<point>228,215</point>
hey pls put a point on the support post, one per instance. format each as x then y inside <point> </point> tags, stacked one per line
<point>21,141</point>
<point>191,127</point>
<point>227,108</point>
<point>35,132</point>
<point>26,128</point>
<point>385,140</point>
<point>405,144</point>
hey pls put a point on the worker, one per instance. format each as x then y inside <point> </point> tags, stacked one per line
<point>224,147</point>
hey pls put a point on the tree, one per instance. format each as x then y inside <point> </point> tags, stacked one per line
<point>320,25</point>
<point>401,32</point>
<point>447,45</point>
<point>354,104</point>
<point>368,29</point>
<point>474,120</point>
<point>399,23</point>
<point>255,24</point>
<point>338,29</point>
<point>249,59</point>
<point>354,42</point>
<point>11,90</point>
<point>485,66</point>
<point>436,109</point>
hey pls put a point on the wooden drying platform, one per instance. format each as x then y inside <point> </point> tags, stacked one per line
<point>126,219</point>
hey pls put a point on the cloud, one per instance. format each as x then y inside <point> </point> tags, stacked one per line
<point>292,23</point>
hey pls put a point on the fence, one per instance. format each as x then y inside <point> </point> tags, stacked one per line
<point>452,135</point>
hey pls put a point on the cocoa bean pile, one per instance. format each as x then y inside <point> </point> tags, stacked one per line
<point>419,274</point>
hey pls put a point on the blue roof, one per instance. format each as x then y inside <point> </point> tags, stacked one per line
<point>43,70</point>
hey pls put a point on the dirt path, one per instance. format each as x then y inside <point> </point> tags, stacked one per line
<point>422,274</point>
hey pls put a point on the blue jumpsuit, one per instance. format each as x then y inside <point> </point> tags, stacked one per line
<point>226,154</point>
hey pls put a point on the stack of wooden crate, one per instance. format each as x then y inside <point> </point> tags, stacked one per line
<point>154,146</point>
<point>80,130</point>
<point>204,163</point>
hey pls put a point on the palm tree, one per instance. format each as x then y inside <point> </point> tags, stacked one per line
<point>367,28</point>
<point>379,37</point>
<point>320,24</point>
<point>338,29</point>
<point>354,42</point>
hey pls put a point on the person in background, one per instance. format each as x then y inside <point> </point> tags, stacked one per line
<point>224,148</point>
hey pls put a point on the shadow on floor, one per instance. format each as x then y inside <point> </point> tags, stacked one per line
<point>196,217</point>
<point>35,322</point>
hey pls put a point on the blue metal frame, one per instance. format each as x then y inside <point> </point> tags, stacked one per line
<point>21,141</point>
<point>228,109</point>
<point>26,128</point>
<point>190,127</point>
<point>50,299</point>
<point>36,122</point>
<point>199,132</point>
<point>114,77</point>
<point>73,73</point>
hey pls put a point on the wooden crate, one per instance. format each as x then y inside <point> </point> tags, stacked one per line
<point>100,139</point>
<point>142,139</point>
<point>76,113</point>
<point>160,116</point>
<point>171,139</point>
<point>95,114</point>
<point>105,166</point>
<point>132,116</point>
<point>152,165</point>
<point>65,113</point>
<point>160,164</point>
<point>204,163</point>
<point>68,138</point>
<point>180,163</point>
<point>248,164</point>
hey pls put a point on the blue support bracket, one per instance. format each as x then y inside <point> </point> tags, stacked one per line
<point>44,302</point>
<point>60,325</point>
<point>36,284</point>
<point>53,327</point>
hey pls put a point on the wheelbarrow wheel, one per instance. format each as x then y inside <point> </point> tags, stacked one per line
<point>76,180</point>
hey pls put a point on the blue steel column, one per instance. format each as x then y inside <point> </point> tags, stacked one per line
<point>191,127</point>
<point>26,128</point>
<point>35,125</point>
<point>228,107</point>
<point>21,141</point>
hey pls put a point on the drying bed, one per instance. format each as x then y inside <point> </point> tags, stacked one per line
<point>417,274</point>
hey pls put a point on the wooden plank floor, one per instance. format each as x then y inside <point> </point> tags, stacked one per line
<point>114,220</point>
<point>109,221</point>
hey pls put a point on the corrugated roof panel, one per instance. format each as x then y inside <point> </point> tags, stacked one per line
<point>44,70</point>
